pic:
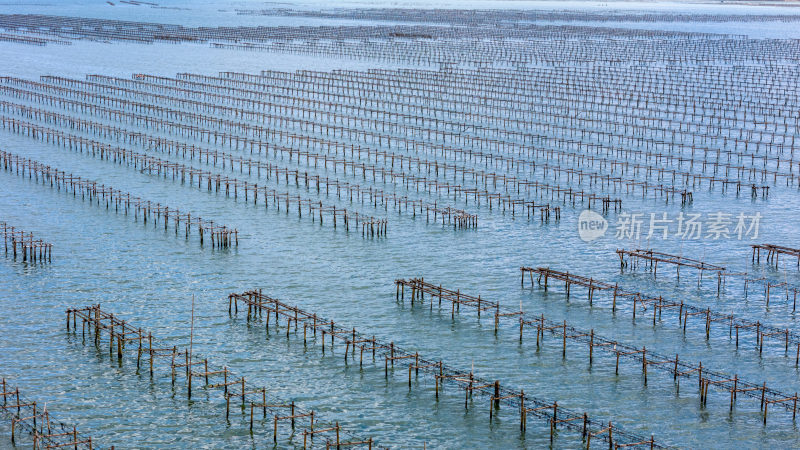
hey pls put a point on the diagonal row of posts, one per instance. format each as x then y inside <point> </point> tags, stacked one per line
<point>647,358</point>
<point>29,417</point>
<point>198,370</point>
<point>274,311</point>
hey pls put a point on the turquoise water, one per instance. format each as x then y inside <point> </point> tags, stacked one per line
<point>149,276</point>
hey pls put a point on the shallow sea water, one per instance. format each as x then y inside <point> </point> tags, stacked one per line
<point>148,276</point>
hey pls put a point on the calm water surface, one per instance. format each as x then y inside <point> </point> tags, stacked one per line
<point>148,276</point>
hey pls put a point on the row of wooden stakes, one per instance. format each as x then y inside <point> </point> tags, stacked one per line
<point>221,236</point>
<point>674,366</point>
<point>530,143</point>
<point>200,106</point>
<point>649,259</point>
<point>430,185</point>
<point>31,249</point>
<point>28,416</point>
<point>217,182</point>
<point>195,368</point>
<point>380,89</point>
<point>272,310</point>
